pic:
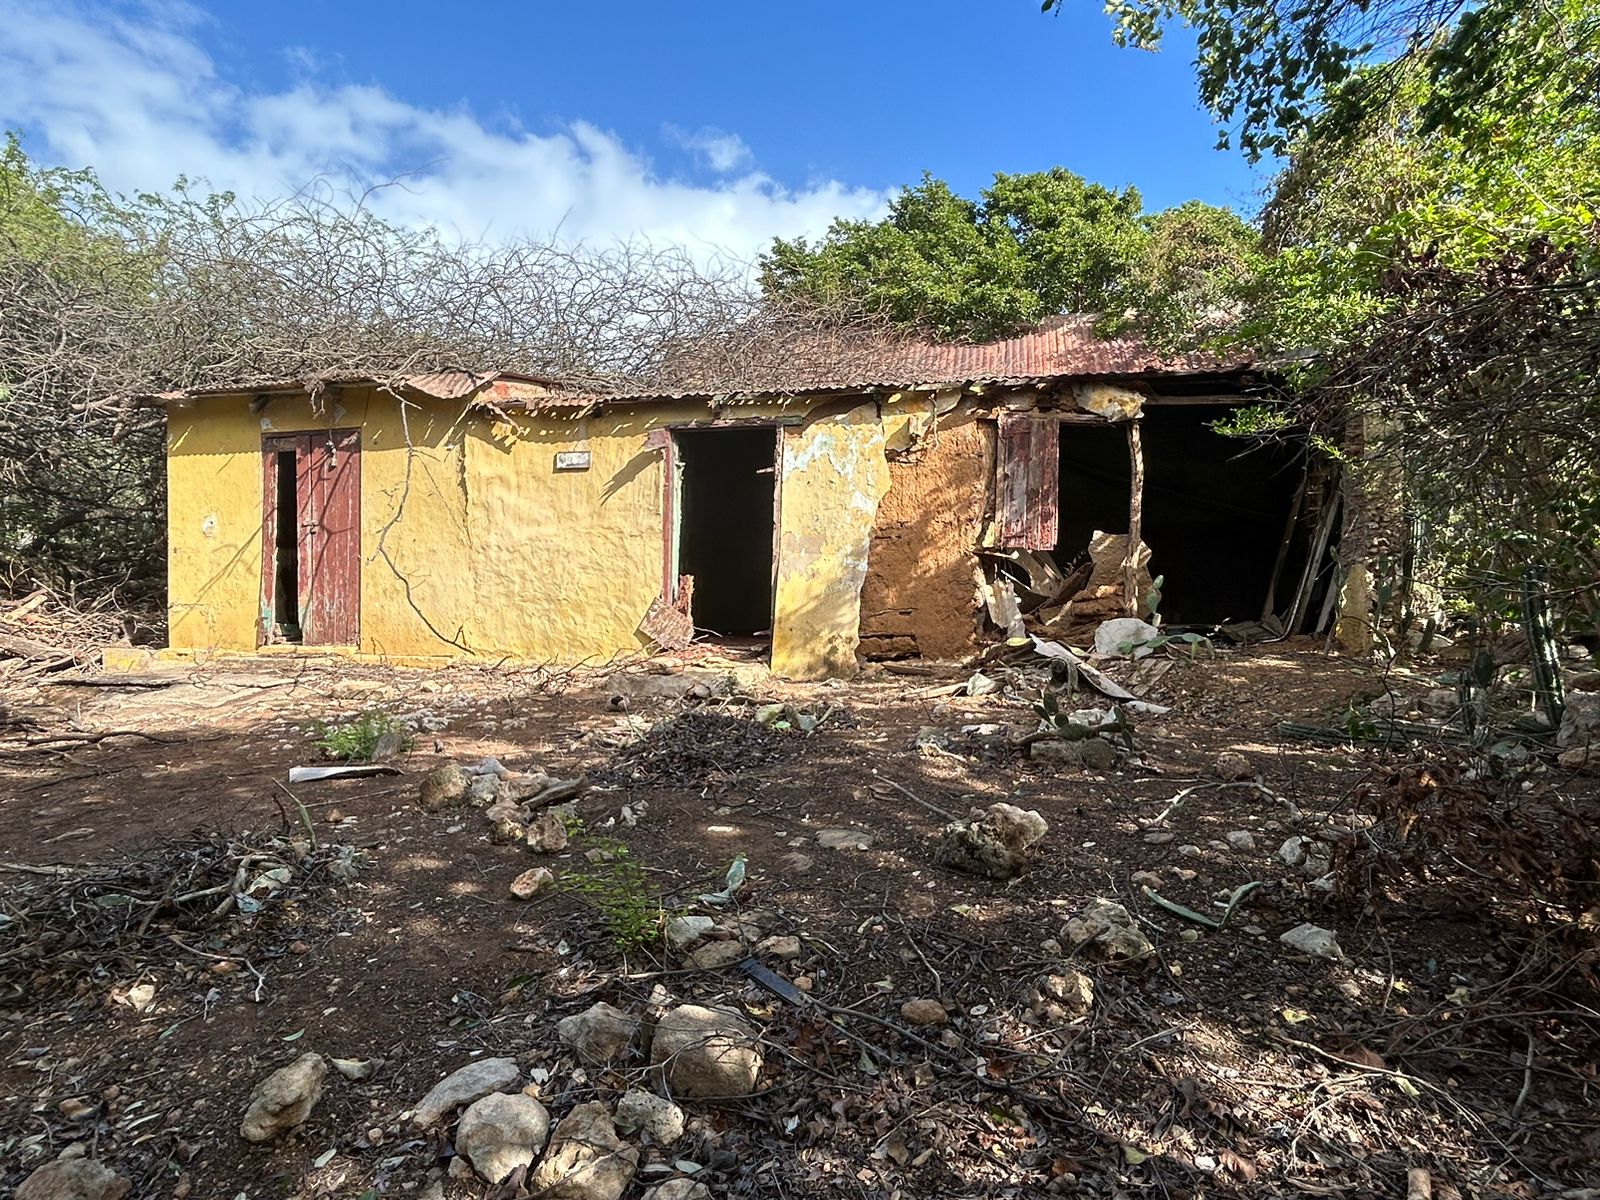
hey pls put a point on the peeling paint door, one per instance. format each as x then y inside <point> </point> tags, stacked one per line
<point>311,553</point>
<point>1027,509</point>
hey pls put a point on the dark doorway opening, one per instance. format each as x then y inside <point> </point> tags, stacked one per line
<point>1214,507</point>
<point>286,548</point>
<point>726,491</point>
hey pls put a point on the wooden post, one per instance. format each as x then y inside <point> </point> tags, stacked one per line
<point>1130,565</point>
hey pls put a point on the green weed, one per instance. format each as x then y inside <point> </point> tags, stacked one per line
<point>373,734</point>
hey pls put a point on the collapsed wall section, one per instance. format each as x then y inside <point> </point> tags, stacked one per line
<point>919,595</point>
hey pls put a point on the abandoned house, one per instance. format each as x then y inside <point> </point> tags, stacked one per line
<point>909,509</point>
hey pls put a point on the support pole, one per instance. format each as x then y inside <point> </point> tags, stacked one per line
<point>1130,565</point>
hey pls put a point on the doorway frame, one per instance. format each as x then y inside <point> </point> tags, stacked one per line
<point>672,500</point>
<point>303,442</point>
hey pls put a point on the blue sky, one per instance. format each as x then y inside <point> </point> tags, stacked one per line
<point>717,123</point>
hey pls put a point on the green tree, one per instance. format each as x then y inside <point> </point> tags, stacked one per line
<point>1031,246</point>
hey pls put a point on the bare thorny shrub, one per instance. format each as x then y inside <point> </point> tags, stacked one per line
<point>1451,840</point>
<point>106,300</point>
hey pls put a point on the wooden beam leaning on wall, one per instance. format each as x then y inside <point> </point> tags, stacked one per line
<point>1130,565</point>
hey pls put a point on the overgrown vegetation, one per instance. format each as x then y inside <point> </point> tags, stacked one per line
<point>631,907</point>
<point>373,735</point>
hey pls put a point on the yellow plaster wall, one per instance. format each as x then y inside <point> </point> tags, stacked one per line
<point>496,553</point>
<point>214,510</point>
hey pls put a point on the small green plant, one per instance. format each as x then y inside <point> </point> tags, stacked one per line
<point>618,886</point>
<point>374,734</point>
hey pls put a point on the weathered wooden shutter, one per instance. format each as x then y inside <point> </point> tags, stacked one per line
<point>1028,488</point>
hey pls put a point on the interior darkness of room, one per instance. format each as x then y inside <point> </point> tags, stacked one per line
<point>725,527</point>
<point>286,547</point>
<point>1214,507</point>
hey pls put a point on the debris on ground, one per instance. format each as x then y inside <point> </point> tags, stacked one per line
<point>73,1176</point>
<point>1313,940</point>
<point>464,1085</point>
<point>698,748</point>
<point>995,843</point>
<point>1106,927</point>
<point>586,1159</point>
<point>600,1035</point>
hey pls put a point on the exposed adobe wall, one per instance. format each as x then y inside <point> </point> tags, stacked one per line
<point>919,596</point>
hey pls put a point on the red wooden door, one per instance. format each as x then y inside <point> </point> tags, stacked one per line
<point>1028,489</point>
<point>311,553</point>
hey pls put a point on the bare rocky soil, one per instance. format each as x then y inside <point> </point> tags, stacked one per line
<point>929,1033</point>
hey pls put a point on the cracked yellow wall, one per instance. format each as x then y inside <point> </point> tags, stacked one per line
<point>214,511</point>
<point>496,553</point>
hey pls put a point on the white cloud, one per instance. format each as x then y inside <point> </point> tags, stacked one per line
<point>141,101</point>
<point>723,152</point>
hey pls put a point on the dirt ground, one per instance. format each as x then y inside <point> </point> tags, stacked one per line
<point>1224,1064</point>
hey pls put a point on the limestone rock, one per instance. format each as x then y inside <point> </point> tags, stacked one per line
<point>600,1035</point>
<point>679,1189</point>
<point>1124,637</point>
<point>471,1082</point>
<point>706,1053</point>
<point>73,1176</point>
<point>683,932</point>
<point>530,883</point>
<point>994,843</point>
<point>785,947</point>
<point>1581,758</point>
<point>644,1112</point>
<point>443,787</point>
<point>1580,720</point>
<point>1313,940</point>
<point>713,956</point>
<point>1293,851</point>
<point>486,790</point>
<point>505,821</point>
<point>1063,997</point>
<point>284,1099</point>
<point>1232,767</point>
<point>1097,754</point>
<point>924,1012</point>
<point>586,1159</point>
<point>547,833</point>
<point>844,839</point>
<point>1059,753</point>
<point>1107,927</point>
<point>501,1132</point>
<point>1241,840</point>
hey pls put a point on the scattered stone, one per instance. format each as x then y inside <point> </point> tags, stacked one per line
<point>1063,997</point>
<point>1057,752</point>
<point>785,947</point>
<point>284,1099</point>
<point>73,1176</point>
<point>1581,758</point>
<point>1147,879</point>
<point>1241,841</point>
<point>547,833</point>
<point>501,1132</point>
<point>1232,767</point>
<point>600,1035</point>
<point>443,787</point>
<point>706,1053</point>
<point>844,839</point>
<point>1098,754</point>
<point>1580,720</point>
<point>1160,837</point>
<point>683,932</point>
<point>486,790</point>
<point>1293,851</point>
<point>679,1189</point>
<point>924,1012</point>
<point>357,1070</point>
<point>586,1159</point>
<point>993,843</point>
<point>530,883</point>
<point>505,821</point>
<point>471,1082</point>
<point>796,863</point>
<point>1190,850</point>
<point>1110,929</point>
<point>645,1112</point>
<point>1313,940</point>
<point>713,956</point>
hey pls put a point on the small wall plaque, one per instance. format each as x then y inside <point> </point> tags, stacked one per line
<point>572,460</point>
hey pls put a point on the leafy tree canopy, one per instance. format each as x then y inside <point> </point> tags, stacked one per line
<point>1029,247</point>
